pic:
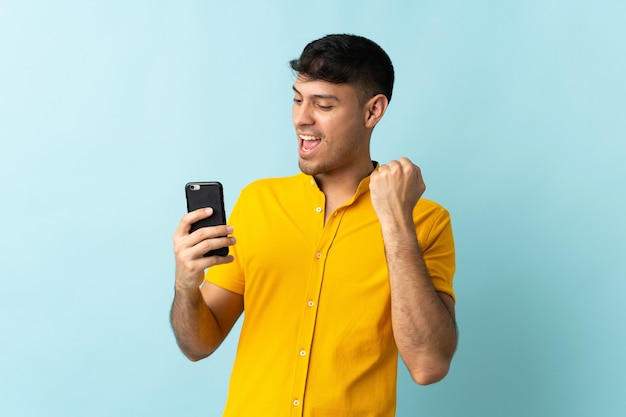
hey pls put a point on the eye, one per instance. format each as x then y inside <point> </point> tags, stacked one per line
<point>297,100</point>
<point>324,108</point>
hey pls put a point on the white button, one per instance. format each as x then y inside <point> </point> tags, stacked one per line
<point>303,353</point>
<point>318,255</point>
<point>296,403</point>
<point>318,209</point>
<point>310,303</point>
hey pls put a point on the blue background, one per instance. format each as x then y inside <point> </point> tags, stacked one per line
<point>514,110</point>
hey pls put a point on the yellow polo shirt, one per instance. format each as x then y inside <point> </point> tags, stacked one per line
<point>316,337</point>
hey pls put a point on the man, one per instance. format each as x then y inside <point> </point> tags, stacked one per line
<point>340,267</point>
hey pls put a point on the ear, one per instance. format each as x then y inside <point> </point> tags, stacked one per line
<point>375,109</point>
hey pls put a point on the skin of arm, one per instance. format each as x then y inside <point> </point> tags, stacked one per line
<point>201,315</point>
<point>423,320</point>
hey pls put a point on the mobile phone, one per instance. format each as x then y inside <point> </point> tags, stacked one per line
<point>202,195</point>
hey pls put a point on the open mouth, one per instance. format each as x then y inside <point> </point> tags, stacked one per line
<point>309,142</point>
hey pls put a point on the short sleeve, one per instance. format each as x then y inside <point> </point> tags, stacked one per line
<point>437,243</point>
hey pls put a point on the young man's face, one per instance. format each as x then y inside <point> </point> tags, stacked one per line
<point>329,123</point>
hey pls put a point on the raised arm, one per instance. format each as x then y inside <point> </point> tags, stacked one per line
<point>423,319</point>
<point>202,314</point>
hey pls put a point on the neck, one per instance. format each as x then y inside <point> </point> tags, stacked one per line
<point>339,187</point>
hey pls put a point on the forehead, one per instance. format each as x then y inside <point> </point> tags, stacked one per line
<point>308,87</point>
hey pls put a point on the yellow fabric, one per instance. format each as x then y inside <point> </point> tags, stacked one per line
<point>316,338</point>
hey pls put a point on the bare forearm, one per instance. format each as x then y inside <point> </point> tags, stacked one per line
<point>197,332</point>
<point>424,328</point>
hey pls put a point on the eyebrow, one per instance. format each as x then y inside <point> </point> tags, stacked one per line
<point>319,96</point>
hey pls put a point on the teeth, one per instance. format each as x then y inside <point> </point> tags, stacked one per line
<point>307,137</point>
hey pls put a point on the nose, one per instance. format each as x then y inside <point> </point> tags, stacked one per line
<point>302,115</point>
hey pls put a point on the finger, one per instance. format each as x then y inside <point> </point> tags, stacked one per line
<point>210,261</point>
<point>206,239</point>
<point>405,161</point>
<point>188,219</point>
<point>210,232</point>
<point>409,167</point>
<point>420,179</point>
<point>417,170</point>
<point>208,245</point>
<point>187,255</point>
<point>393,164</point>
<point>219,260</point>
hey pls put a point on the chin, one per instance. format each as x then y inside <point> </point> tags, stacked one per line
<point>308,168</point>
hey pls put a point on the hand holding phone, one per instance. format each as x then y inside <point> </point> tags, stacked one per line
<point>207,194</point>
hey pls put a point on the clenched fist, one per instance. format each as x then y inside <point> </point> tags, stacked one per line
<point>395,189</point>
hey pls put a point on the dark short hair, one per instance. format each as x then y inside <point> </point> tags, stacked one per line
<point>347,59</point>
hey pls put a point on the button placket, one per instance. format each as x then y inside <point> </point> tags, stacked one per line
<point>311,302</point>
